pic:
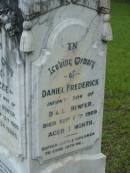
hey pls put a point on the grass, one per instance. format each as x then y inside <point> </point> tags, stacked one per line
<point>116,128</point>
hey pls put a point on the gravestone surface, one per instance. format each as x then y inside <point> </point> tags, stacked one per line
<point>52,77</point>
<point>12,114</point>
<point>71,66</point>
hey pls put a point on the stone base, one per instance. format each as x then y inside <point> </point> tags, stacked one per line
<point>80,163</point>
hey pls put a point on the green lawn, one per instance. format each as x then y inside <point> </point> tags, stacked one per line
<point>116,128</point>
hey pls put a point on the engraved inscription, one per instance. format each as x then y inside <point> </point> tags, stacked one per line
<point>69,62</point>
<point>8,104</point>
<point>72,46</point>
<point>10,118</point>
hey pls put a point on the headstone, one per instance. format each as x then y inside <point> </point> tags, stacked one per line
<point>52,77</point>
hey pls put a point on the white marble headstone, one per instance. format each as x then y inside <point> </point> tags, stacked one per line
<point>52,89</point>
<point>67,86</point>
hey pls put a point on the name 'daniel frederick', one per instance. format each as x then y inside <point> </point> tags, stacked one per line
<point>69,88</point>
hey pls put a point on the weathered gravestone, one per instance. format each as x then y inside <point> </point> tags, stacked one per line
<point>52,75</point>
